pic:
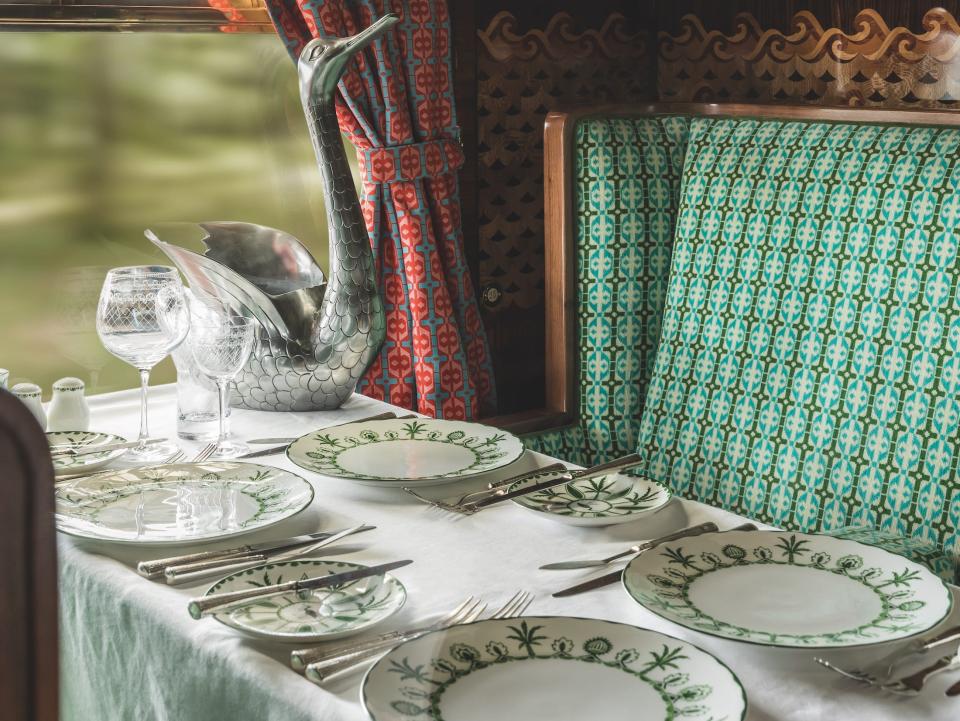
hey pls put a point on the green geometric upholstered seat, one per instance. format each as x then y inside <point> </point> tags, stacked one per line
<point>627,183</point>
<point>808,371</point>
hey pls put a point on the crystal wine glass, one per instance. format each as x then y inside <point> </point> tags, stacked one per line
<point>221,348</point>
<point>141,317</point>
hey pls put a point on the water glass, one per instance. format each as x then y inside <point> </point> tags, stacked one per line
<point>141,317</point>
<point>198,403</point>
<point>221,349</point>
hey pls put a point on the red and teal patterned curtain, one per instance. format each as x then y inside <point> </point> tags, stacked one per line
<point>396,106</point>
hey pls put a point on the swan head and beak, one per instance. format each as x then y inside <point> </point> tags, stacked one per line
<point>323,61</point>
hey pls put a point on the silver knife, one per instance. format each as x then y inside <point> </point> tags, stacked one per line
<point>220,602</point>
<point>154,569</point>
<point>274,450</point>
<point>189,572</point>
<point>632,551</point>
<point>614,576</point>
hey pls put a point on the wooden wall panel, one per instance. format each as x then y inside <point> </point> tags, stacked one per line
<point>523,71</point>
<point>531,58</point>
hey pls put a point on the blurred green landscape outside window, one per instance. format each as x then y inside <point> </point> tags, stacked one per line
<point>105,134</point>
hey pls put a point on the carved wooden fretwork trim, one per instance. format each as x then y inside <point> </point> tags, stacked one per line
<point>874,65</point>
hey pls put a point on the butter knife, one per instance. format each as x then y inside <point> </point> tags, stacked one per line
<point>614,576</point>
<point>221,602</point>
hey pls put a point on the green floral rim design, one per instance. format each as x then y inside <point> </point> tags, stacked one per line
<point>274,493</point>
<point>66,464</point>
<point>410,681</point>
<point>489,448</point>
<point>606,499</point>
<point>912,600</point>
<point>326,614</point>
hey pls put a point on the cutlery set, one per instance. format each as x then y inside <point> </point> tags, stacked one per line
<point>274,590</point>
<point>555,475</point>
<point>880,673</point>
<point>196,566</point>
<point>224,602</point>
<point>321,666</point>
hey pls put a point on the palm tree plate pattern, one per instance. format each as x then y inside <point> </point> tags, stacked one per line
<point>179,503</point>
<point>83,440</point>
<point>411,452</point>
<point>550,668</point>
<point>599,500</point>
<point>320,615</point>
<point>785,589</point>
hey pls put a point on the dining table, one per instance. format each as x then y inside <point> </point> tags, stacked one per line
<point>130,650</point>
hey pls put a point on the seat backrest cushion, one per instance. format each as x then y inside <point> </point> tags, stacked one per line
<point>627,184</point>
<point>808,372</point>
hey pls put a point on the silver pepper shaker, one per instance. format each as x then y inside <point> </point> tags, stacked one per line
<point>29,393</point>
<point>68,408</point>
<point>4,375</point>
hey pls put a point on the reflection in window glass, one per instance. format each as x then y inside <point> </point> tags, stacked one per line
<point>104,135</point>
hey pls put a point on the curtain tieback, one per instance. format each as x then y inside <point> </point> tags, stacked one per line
<point>411,161</point>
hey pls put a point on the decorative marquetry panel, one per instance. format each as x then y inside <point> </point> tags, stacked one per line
<point>521,76</point>
<point>873,65</point>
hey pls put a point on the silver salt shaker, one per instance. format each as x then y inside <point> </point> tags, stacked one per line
<point>29,393</point>
<point>68,408</point>
<point>4,375</point>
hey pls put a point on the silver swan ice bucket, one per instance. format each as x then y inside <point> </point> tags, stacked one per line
<point>317,336</point>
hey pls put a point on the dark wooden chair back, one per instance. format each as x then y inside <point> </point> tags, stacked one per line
<point>28,591</point>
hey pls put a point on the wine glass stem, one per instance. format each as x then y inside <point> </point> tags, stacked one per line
<point>144,384</point>
<point>222,386</point>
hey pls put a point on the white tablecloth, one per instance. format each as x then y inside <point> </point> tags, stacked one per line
<point>130,651</point>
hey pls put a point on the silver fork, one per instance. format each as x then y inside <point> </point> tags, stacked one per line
<point>204,453</point>
<point>174,457</point>
<point>301,658</point>
<point>324,671</point>
<point>909,685</point>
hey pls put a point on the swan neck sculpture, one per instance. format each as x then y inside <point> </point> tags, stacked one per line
<point>313,345</point>
<point>322,63</point>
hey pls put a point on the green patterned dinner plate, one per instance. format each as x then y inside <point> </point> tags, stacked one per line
<point>179,503</point>
<point>409,452</point>
<point>315,616</point>
<point>794,590</point>
<point>84,440</point>
<point>599,500</point>
<point>551,668</point>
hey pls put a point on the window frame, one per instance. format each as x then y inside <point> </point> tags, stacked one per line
<point>225,16</point>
